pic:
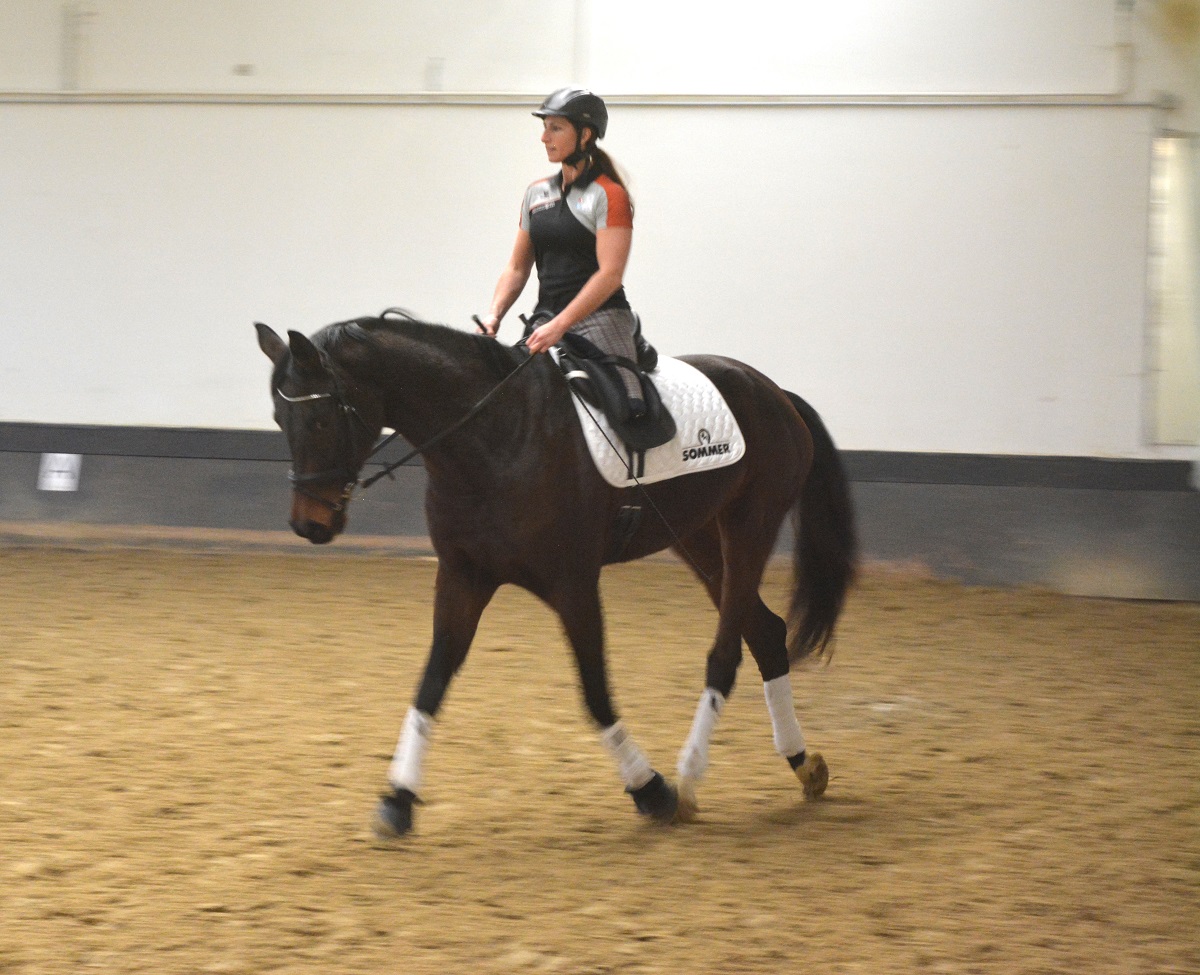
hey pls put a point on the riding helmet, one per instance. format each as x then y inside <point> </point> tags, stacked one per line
<point>579,106</point>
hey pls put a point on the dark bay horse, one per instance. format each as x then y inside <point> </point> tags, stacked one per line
<point>513,496</point>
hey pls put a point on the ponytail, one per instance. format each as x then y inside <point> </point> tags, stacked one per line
<point>603,163</point>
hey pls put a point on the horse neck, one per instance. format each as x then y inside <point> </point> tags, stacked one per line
<point>428,380</point>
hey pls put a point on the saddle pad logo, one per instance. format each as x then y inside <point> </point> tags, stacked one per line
<point>704,447</point>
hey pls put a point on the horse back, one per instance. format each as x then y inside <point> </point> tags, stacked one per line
<point>764,411</point>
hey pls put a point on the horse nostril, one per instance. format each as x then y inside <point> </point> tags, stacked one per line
<point>319,534</point>
<point>314,531</point>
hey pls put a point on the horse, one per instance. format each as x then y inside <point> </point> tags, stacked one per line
<point>513,497</point>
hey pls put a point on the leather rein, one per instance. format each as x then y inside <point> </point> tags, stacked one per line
<point>346,411</point>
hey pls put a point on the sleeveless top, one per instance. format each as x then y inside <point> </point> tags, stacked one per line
<point>563,231</point>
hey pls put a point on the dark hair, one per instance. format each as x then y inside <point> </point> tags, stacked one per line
<point>602,162</point>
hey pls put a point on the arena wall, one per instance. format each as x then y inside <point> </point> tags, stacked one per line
<point>934,221</point>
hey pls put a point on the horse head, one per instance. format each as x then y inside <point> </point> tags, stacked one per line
<point>331,427</point>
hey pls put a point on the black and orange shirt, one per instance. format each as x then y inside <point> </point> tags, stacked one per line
<point>563,232</point>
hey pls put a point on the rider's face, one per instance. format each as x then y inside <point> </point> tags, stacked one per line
<point>559,137</point>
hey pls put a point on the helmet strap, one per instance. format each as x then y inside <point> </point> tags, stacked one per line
<point>580,153</point>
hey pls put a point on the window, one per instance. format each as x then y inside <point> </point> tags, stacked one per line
<point>1174,294</point>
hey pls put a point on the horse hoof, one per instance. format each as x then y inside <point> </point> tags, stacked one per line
<point>688,808</point>
<point>813,776</point>
<point>656,799</point>
<point>394,815</point>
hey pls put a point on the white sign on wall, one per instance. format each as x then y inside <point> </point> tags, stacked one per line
<point>59,472</point>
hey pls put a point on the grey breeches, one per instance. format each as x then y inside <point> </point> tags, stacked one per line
<point>611,331</point>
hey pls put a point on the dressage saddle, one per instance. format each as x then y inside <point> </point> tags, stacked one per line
<point>642,422</point>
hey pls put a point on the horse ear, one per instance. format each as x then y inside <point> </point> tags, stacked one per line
<point>270,343</point>
<point>304,353</point>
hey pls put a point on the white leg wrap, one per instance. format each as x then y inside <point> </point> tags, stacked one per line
<point>632,763</point>
<point>693,758</point>
<point>788,739</point>
<point>405,770</point>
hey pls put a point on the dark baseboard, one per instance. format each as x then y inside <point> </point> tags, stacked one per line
<point>862,466</point>
<point>1084,525</point>
<point>1002,470</point>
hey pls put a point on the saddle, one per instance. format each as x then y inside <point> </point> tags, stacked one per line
<point>596,377</point>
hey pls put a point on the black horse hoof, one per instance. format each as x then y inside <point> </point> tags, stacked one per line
<point>394,814</point>
<point>656,799</point>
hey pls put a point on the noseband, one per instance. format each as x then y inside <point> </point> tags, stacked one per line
<point>342,474</point>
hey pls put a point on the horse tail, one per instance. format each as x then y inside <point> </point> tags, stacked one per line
<point>825,555</point>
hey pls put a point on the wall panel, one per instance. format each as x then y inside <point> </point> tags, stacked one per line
<point>620,46</point>
<point>933,279</point>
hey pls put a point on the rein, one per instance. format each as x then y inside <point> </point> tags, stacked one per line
<point>432,441</point>
<point>351,480</point>
<point>437,438</point>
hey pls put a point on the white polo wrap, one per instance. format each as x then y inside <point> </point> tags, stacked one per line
<point>405,770</point>
<point>693,757</point>
<point>632,763</point>
<point>789,740</point>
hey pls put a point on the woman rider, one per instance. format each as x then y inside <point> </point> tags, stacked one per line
<point>576,226</point>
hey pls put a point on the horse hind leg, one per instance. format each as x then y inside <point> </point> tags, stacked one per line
<point>767,638</point>
<point>693,756</point>
<point>765,634</point>
<point>810,767</point>
<point>746,539</point>
<point>731,564</point>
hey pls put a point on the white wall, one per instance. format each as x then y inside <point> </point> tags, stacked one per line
<point>963,277</point>
<point>624,46</point>
<point>940,279</point>
<point>857,47</point>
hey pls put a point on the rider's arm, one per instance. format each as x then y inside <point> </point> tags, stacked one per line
<point>612,254</point>
<point>512,282</point>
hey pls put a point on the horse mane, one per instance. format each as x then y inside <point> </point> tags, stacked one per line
<point>342,338</point>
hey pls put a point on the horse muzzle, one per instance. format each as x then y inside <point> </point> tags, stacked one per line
<point>319,516</point>
<point>314,531</point>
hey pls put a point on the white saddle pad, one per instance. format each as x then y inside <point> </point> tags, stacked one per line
<point>706,435</point>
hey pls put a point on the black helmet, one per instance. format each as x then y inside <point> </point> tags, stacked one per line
<point>579,106</point>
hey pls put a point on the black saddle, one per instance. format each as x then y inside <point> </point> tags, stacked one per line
<point>596,376</point>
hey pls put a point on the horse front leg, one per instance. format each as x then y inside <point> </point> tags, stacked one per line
<point>460,599</point>
<point>579,609</point>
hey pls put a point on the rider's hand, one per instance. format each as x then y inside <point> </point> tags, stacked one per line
<point>487,325</point>
<point>544,336</point>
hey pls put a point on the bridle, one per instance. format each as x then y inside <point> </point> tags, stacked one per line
<point>343,473</point>
<point>346,476</point>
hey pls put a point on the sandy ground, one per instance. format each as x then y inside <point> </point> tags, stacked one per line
<point>191,745</point>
